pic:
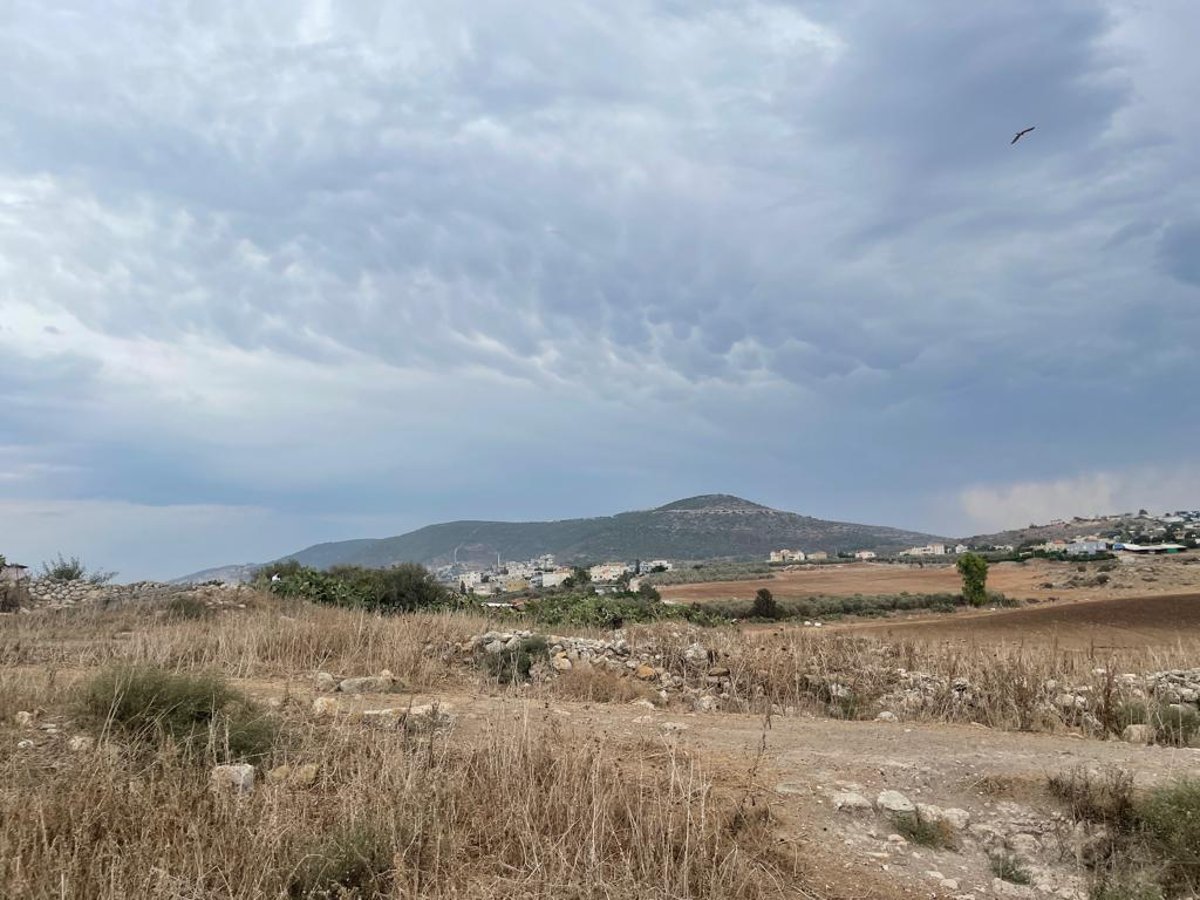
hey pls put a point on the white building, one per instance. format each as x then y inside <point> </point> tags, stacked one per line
<point>649,565</point>
<point>1086,548</point>
<point>927,550</point>
<point>864,554</point>
<point>780,556</point>
<point>555,578</point>
<point>610,571</point>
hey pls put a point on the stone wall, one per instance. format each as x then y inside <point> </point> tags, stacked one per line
<point>48,593</point>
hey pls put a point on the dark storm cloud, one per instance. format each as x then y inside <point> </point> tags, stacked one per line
<point>319,257</point>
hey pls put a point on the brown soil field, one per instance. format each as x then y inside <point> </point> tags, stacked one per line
<point>1037,579</point>
<point>1121,622</point>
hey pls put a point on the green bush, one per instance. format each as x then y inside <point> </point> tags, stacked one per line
<point>973,569</point>
<point>1008,868</point>
<point>403,588</point>
<point>1170,817</point>
<point>354,861</point>
<point>63,569</point>
<point>612,610</point>
<point>513,664</point>
<point>765,606</point>
<point>924,832</point>
<point>200,714</point>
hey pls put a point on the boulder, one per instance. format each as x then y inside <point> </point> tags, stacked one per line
<point>894,802</point>
<point>326,707</point>
<point>850,802</point>
<point>561,664</point>
<point>1137,734</point>
<point>235,779</point>
<point>81,743</point>
<point>325,683</point>
<point>23,719</point>
<point>371,684</point>
<point>886,716</point>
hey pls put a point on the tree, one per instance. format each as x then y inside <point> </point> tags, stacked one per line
<point>973,569</point>
<point>765,606</point>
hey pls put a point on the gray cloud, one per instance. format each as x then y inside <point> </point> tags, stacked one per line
<point>322,258</point>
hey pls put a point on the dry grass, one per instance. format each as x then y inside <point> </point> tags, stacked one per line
<point>522,809</point>
<point>1011,686</point>
<point>271,638</point>
<point>512,808</point>
<point>599,686</point>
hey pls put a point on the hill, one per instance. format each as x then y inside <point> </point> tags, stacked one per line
<point>706,527</point>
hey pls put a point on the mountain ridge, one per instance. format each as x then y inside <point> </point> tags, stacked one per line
<point>707,526</point>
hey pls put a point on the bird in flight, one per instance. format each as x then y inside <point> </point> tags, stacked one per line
<point>1021,134</point>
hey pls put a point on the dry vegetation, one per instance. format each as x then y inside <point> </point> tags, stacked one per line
<point>512,807</point>
<point>516,809</point>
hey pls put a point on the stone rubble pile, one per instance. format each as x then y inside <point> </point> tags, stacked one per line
<point>702,682</point>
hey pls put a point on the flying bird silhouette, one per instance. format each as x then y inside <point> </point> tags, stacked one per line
<point>1021,134</point>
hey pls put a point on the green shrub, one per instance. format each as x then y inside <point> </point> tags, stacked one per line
<point>513,664</point>
<point>1176,724</point>
<point>1008,868</point>
<point>1105,798</point>
<point>352,862</point>
<point>403,588</point>
<point>612,610</point>
<point>63,569</point>
<point>1170,819</point>
<point>200,714</point>
<point>973,569</point>
<point>924,832</point>
<point>765,606</point>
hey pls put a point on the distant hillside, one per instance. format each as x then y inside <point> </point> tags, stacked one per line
<point>1119,526</point>
<point>706,527</point>
<point>227,574</point>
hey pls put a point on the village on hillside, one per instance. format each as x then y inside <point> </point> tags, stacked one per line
<point>1170,532</point>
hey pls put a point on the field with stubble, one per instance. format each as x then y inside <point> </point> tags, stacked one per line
<point>389,757</point>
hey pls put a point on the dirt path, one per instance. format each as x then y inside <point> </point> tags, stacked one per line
<point>799,764</point>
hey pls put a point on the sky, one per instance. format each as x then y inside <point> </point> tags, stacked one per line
<point>280,273</point>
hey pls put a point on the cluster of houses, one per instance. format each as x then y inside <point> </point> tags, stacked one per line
<point>790,556</point>
<point>543,572</point>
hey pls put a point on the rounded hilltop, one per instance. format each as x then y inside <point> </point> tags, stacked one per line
<point>713,503</point>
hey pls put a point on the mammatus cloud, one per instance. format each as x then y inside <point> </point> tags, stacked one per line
<point>524,260</point>
<point>1157,489</point>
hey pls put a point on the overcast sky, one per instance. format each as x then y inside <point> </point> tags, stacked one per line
<point>284,272</point>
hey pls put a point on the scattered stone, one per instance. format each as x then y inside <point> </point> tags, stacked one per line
<point>1002,888</point>
<point>851,802</point>
<point>1137,734</point>
<point>791,787</point>
<point>644,703</point>
<point>25,745</point>
<point>1024,844</point>
<point>371,684</point>
<point>894,802</point>
<point>948,884</point>
<point>561,664</point>
<point>718,672</point>
<point>326,707</point>
<point>23,719</point>
<point>886,716</point>
<point>672,728</point>
<point>236,779</point>
<point>325,683</point>
<point>81,743</point>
